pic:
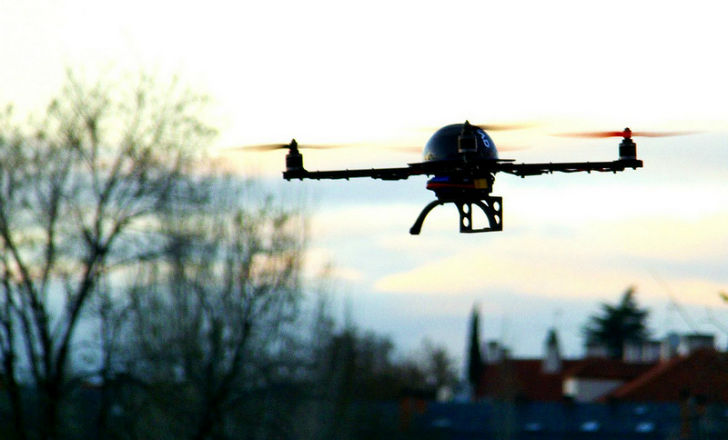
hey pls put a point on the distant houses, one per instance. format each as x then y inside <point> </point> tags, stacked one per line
<point>676,388</point>
<point>673,369</point>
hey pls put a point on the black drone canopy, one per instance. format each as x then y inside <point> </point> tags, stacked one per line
<point>449,142</point>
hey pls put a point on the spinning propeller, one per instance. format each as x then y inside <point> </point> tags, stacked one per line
<point>288,146</point>
<point>626,133</point>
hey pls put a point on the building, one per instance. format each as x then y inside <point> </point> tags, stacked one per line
<point>591,379</point>
<point>660,371</point>
<point>701,373</point>
<point>537,379</point>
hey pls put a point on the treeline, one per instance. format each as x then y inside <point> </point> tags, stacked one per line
<point>146,295</point>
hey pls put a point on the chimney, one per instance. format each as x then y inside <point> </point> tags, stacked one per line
<point>695,341</point>
<point>494,352</point>
<point>552,354</point>
<point>668,348</point>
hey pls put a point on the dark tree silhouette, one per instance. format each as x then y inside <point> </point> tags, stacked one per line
<point>208,329</point>
<point>475,361</point>
<point>79,195</point>
<point>617,324</point>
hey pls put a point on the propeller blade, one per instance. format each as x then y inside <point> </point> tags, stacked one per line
<point>273,147</point>
<point>592,134</point>
<point>488,127</point>
<point>260,147</point>
<point>512,147</point>
<point>505,127</point>
<point>661,133</point>
<point>406,149</point>
<point>624,133</point>
<point>420,149</point>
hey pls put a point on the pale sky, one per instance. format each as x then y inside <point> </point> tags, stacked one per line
<point>383,73</point>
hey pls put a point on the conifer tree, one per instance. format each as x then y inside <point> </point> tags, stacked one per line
<point>475,361</point>
<point>618,324</point>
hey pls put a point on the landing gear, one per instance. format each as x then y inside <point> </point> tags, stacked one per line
<point>491,206</point>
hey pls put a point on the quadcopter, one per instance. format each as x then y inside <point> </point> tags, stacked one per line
<point>462,161</point>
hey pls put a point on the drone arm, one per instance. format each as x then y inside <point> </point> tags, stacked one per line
<point>374,173</point>
<point>533,169</point>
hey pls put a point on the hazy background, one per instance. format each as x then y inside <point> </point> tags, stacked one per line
<point>390,73</point>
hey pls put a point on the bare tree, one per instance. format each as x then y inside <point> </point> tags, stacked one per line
<point>80,193</point>
<point>211,326</point>
<point>439,366</point>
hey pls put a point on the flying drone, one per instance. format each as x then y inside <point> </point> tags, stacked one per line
<point>463,161</point>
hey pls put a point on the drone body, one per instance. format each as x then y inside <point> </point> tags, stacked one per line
<point>463,160</point>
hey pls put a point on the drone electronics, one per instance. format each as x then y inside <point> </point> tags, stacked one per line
<point>463,161</point>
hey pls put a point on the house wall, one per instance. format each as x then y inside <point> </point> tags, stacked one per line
<point>588,390</point>
<point>641,352</point>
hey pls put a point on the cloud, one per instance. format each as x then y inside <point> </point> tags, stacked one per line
<point>596,259</point>
<point>668,239</point>
<point>320,262</point>
<point>551,273</point>
<point>560,241</point>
